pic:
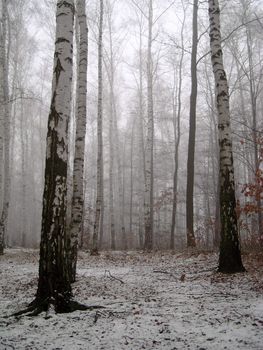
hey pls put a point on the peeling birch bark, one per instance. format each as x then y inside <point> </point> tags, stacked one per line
<point>54,283</point>
<point>230,256</point>
<point>78,168</point>
<point>99,198</point>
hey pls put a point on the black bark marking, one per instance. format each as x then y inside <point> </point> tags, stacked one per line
<point>58,69</point>
<point>62,40</point>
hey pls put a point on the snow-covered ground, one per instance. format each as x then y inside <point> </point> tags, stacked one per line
<point>152,301</point>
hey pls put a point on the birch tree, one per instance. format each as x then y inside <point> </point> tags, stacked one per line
<point>111,60</point>
<point>99,198</point>
<point>53,283</point>
<point>230,256</point>
<point>78,167</point>
<point>4,126</point>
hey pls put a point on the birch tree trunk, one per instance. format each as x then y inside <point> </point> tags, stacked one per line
<point>5,125</point>
<point>54,284</point>
<point>78,168</point>
<point>230,256</point>
<point>99,198</point>
<point>192,130</point>
<point>215,159</point>
<point>148,205</point>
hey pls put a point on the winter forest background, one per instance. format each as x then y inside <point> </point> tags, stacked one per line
<point>30,43</point>
<point>131,141</point>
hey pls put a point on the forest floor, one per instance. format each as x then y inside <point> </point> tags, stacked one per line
<point>152,301</point>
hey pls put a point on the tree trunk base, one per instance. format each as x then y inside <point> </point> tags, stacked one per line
<point>38,306</point>
<point>228,265</point>
<point>231,269</point>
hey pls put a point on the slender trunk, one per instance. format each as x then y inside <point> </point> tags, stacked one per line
<point>111,77</point>
<point>230,256</point>
<point>99,198</point>
<point>101,224</point>
<point>131,181</point>
<point>2,120</point>
<point>4,106</point>
<point>78,167</point>
<point>177,136</point>
<point>246,169</point>
<point>111,198</point>
<point>23,231</point>
<point>112,223</point>
<point>255,134</point>
<point>101,208</point>
<point>120,182</point>
<point>215,161</point>
<point>192,131</point>
<point>148,219</point>
<point>123,198</point>
<point>142,170</point>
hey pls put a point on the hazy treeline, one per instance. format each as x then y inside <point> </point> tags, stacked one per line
<point>30,39</point>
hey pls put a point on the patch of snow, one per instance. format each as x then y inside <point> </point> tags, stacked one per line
<point>148,305</point>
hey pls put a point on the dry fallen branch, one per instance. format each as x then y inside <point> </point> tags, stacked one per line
<point>97,315</point>
<point>112,277</point>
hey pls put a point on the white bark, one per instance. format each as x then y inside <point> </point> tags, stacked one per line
<point>230,258</point>
<point>78,168</point>
<point>53,268</point>
<point>99,198</point>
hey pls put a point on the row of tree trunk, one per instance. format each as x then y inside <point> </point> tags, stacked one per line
<point>59,243</point>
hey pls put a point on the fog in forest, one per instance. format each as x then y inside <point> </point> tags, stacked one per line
<point>131,174</point>
<point>31,30</point>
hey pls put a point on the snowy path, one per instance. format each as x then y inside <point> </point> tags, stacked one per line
<point>161,301</point>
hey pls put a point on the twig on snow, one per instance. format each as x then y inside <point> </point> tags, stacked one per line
<point>97,315</point>
<point>113,277</point>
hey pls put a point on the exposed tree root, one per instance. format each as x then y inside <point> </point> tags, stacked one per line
<point>38,306</point>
